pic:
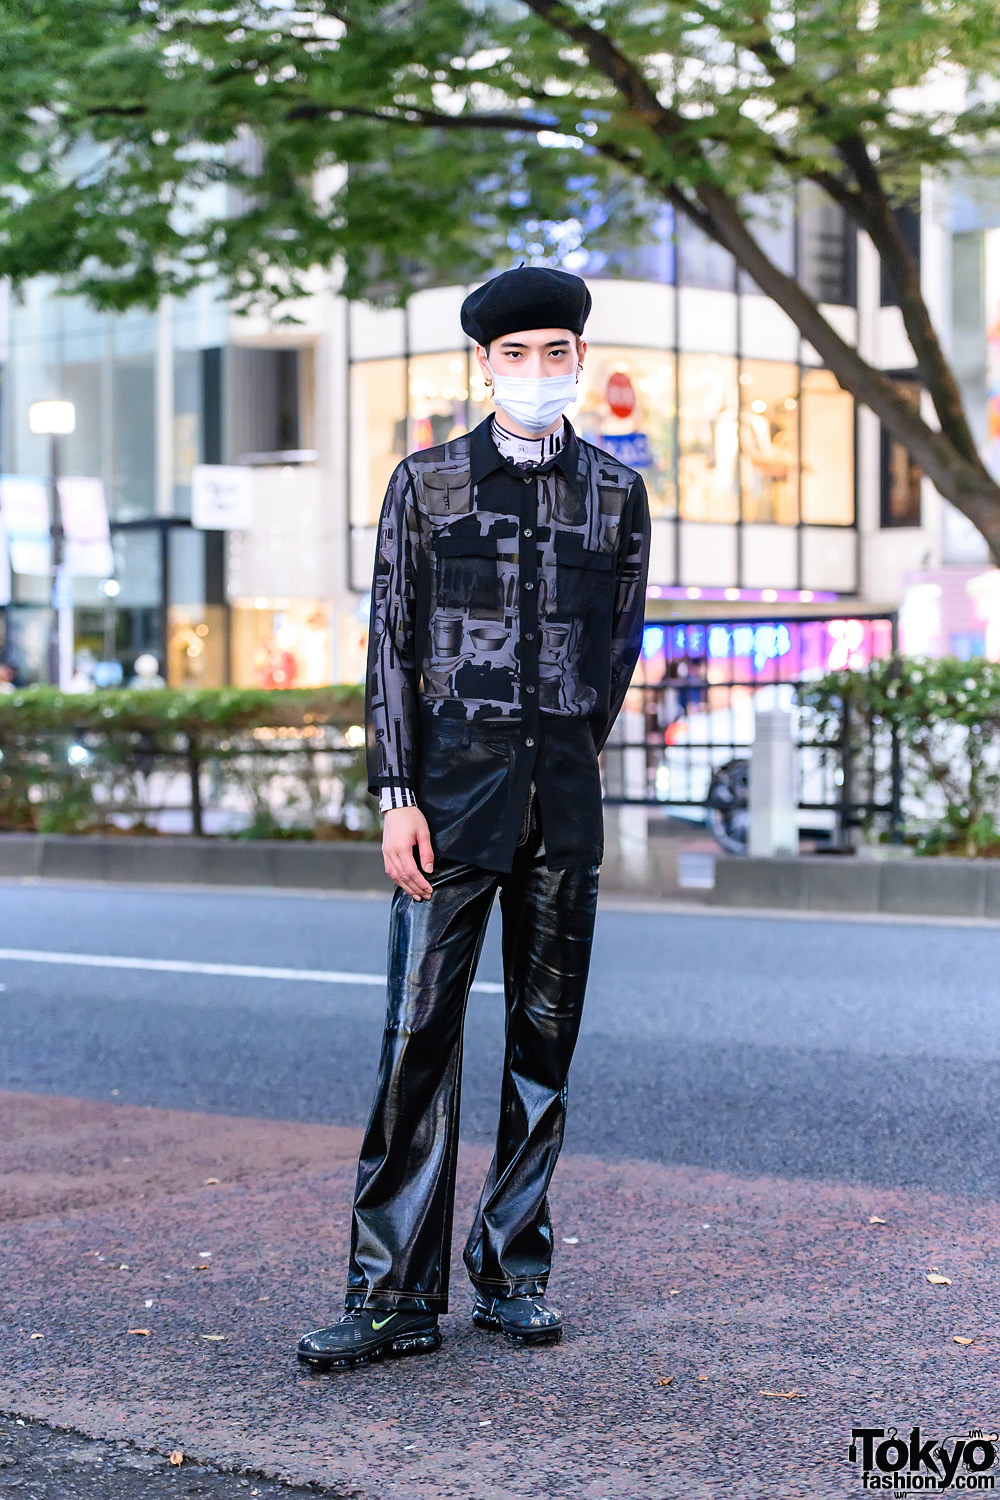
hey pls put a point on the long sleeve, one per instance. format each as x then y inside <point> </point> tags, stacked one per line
<point>630,601</point>
<point>391,704</point>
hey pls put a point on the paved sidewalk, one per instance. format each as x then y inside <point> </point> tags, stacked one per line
<point>689,1294</point>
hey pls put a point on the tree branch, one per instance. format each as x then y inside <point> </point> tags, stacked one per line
<point>407,114</point>
<point>957,473</point>
<point>870,208</point>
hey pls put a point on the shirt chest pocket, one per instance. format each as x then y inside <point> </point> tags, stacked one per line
<point>466,575</point>
<point>447,493</point>
<point>583,582</point>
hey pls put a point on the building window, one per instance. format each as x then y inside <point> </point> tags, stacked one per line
<point>702,261</point>
<point>263,402</point>
<point>83,384</point>
<point>769,441</point>
<point>771,221</point>
<point>734,428</point>
<point>708,437</point>
<point>196,645</point>
<point>908,219</point>
<point>281,643</point>
<point>132,495</point>
<point>827,248</point>
<point>439,399</point>
<point>827,450</point>
<point>900,477</point>
<point>628,406</point>
<point>378,433</point>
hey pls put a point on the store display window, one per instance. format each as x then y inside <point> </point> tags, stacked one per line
<point>439,397</point>
<point>708,437</point>
<point>705,431</point>
<point>827,450</point>
<point>628,406</point>
<point>196,645</point>
<point>769,441</point>
<point>281,643</point>
<point>378,433</point>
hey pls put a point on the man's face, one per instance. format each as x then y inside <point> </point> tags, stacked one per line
<point>534,354</point>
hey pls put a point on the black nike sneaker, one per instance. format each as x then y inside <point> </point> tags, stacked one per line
<point>523,1320</point>
<point>366,1334</point>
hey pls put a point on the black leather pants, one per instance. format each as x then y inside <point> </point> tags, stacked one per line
<point>404,1203</point>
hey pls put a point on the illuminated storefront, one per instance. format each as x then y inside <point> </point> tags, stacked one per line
<point>280,643</point>
<point>749,460</point>
<point>765,485</point>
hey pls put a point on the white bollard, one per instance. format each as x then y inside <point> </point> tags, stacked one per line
<point>774,826</point>
<point>633,827</point>
<point>626,777</point>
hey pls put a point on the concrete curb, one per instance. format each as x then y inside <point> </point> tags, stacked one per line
<point>938,887</point>
<point>171,859</point>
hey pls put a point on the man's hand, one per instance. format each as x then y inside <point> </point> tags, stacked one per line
<point>404,827</point>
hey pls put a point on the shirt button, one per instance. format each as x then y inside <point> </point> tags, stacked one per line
<point>527,478</point>
<point>528,740</point>
<point>527,531</point>
<point>529,689</point>
<point>529,585</point>
<point>529,635</point>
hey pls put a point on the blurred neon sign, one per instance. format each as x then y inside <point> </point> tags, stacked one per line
<point>763,643</point>
<point>805,647</point>
<point>653,640</point>
<point>847,645</point>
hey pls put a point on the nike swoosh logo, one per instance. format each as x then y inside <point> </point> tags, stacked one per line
<point>377,1326</point>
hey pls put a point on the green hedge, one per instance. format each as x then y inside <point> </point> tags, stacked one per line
<point>80,763</point>
<point>945,717</point>
<point>208,712</point>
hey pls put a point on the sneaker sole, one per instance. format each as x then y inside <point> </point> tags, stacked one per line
<point>540,1336</point>
<point>408,1343</point>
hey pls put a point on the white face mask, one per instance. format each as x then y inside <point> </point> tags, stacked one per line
<point>533,402</point>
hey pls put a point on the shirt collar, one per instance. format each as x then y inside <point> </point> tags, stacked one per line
<point>484,457</point>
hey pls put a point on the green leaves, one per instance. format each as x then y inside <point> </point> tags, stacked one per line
<point>79,763</point>
<point>198,711</point>
<point>155,146</point>
<point>945,715</point>
<point>433,108</point>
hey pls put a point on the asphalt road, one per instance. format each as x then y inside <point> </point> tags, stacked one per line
<point>37,1463</point>
<point>864,1052</point>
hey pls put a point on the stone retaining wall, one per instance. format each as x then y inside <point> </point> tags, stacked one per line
<point>940,887</point>
<point>171,859</point>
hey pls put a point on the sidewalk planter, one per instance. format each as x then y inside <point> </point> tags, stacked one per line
<point>164,859</point>
<point>931,887</point>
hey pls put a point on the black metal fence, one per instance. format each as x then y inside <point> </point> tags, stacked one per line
<point>266,782</point>
<point>683,742</point>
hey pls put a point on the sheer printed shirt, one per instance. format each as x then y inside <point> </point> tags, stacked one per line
<point>508,596</point>
<point>526,453</point>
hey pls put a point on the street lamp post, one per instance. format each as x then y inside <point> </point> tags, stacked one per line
<point>56,419</point>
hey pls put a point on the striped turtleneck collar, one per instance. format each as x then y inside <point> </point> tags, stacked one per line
<point>527,452</point>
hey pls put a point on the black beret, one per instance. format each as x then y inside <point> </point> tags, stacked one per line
<point>527,297</point>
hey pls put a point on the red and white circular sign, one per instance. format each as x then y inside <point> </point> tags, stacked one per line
<point>620,394</point>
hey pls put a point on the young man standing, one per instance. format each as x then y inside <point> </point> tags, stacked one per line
<point>506,620</point>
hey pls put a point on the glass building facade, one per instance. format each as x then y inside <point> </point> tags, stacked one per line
<point>764,481</point>
<point>749,460</point>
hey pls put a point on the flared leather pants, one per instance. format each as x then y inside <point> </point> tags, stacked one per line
<point>404,1201</point>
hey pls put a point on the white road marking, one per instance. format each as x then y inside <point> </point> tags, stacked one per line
<point>184,966</point>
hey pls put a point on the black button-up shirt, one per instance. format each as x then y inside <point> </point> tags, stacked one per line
<point>506,620</point>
